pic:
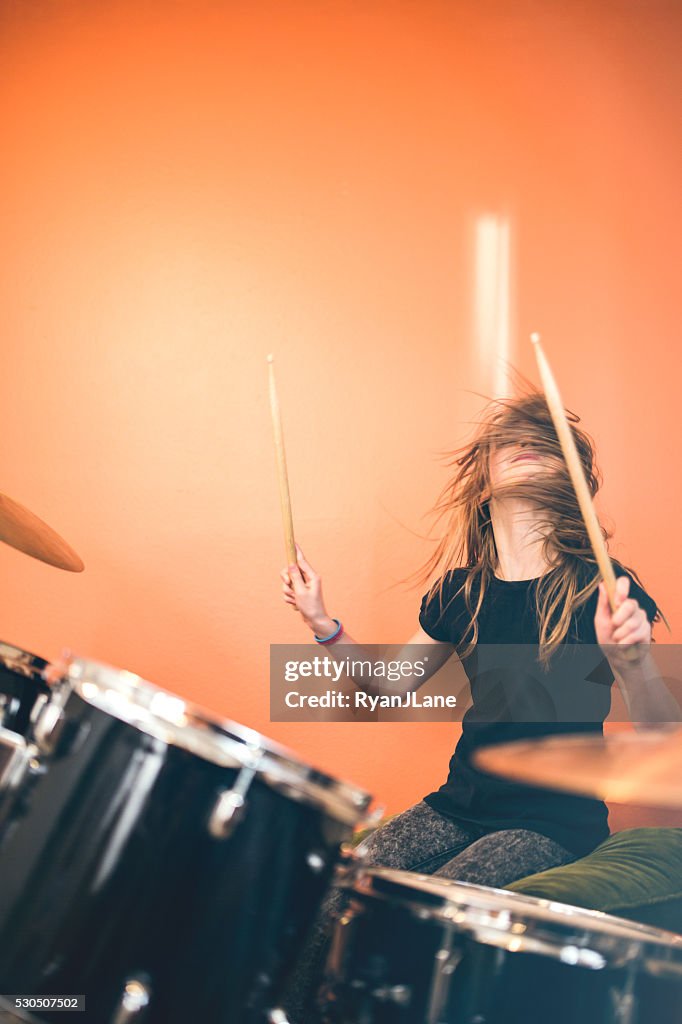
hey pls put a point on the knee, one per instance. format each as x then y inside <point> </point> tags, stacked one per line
<point>370,850</point>
<point>392,845</point>
<point>364,849</point>
<point>374,851</point>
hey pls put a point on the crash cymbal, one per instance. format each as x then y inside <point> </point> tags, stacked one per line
<point>24,531</point>
<point>643,768</point>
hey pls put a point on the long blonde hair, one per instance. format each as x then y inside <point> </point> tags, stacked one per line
<point>468,539</point>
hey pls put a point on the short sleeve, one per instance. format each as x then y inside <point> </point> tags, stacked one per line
<point>438,612</point>
<point>640,595</point>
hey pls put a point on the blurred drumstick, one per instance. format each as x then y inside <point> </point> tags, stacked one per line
<point>24,531</point>
<point>575,469</point>
<point>285,499</point>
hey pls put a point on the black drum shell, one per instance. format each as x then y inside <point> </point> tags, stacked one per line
<point>21,683</point>
<point>388,965</point>
<point>108,871</point>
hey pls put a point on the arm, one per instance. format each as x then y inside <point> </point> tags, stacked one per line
<point>648,700</point>
<point>625,636</point>
<point>302,590</point>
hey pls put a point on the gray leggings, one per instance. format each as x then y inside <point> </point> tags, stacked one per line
<point>422,840</point>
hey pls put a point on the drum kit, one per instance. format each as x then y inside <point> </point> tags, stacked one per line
<point>167,865</point>
<point>419,950</point>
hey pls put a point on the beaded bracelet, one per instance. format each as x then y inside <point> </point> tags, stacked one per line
<point>332,636</point>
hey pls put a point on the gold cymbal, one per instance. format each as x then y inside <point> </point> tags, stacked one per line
<point>643,768</point>
<point>24,531</point>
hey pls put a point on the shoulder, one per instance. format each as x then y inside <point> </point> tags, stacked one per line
<point>443,604</point>
<point>450,585</point>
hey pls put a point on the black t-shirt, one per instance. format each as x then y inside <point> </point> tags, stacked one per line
<point>522,702</point>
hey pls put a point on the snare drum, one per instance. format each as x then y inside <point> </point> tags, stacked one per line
<point>21,685</point>
<point>164,863</point>
<point>415,949</point>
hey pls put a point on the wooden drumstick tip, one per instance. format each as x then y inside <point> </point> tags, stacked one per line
<point>535,338</point>
<point>271,358</point>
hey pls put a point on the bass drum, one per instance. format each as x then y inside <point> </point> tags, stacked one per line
<point>162,862</point>
<point>412,949</point>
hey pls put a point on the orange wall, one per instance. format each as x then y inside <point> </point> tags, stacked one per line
<point>185,187</point>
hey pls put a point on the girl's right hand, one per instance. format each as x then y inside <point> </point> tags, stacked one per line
<point>302,589</point>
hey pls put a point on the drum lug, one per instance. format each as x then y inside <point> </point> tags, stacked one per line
<point>226,815</point>
<point>133,1004</point>
<point>229,808</point>
<point>8,707</point>
<point>352,858</point>
<point>316,861</point>
<point>372,821</point>
<point>17,761</point>
<point>624,1000</point>
<point>48,719</point>
<point>400,995</point>
<point>38,705</point>
<point>448,959</point>
<point>277,1016</point>
<point>47,727</point>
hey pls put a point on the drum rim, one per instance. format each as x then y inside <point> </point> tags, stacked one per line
<point>220,740</point>
<point>12,739</point>
<point>18,660</point>
<point>609,942</point>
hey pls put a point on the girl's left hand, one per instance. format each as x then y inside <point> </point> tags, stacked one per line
<point>627,626</point>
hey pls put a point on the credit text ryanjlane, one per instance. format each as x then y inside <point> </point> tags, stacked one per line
<point>339,699</point>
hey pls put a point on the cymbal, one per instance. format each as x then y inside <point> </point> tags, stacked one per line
<point>643,768</point>
<point>24,531</point>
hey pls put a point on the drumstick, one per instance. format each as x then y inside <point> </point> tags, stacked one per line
<point>575,469</point>
<point>285,499</point>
